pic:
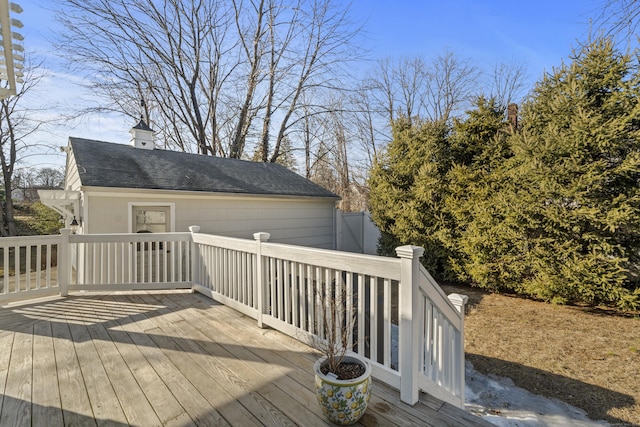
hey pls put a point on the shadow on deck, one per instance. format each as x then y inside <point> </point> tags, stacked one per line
<point>168,358</point>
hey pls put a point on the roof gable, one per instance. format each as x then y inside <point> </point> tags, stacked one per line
<point>105,164</point>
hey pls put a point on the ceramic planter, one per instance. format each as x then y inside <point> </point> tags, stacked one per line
<point>343,401</point>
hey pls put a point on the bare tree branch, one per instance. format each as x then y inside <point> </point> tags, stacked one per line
<point>16,125</point>
<point>214,75</point>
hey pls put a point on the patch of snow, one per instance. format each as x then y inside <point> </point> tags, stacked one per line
<point>498,401</point>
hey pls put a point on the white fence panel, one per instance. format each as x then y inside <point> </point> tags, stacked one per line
<point>130,261</point>
<point>226,271</point>
<point>441,358</point>
<point>356,232</point>
<point>28,267</point>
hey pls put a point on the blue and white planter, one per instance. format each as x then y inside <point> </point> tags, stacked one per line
<point>343,401</point>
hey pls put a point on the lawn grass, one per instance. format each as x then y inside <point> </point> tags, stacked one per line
<point>589,358</point>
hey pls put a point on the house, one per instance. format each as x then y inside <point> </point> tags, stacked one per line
<point>118,188</point>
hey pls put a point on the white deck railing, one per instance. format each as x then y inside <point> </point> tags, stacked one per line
<point>411,332</point>
<point>103,262</point>
<point>28,267</point>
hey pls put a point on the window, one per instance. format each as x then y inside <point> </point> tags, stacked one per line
<point>151,219</point>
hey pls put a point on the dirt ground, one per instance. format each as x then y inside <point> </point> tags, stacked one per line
<point>589,358</point>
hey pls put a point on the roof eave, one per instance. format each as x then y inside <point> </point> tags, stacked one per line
<point>201,194</point>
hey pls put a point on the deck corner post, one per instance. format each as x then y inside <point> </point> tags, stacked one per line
<point>459,302</point>
<point>410,319</point>
<point>195,260</point>
<point>261,290</point>
<point>64,263</point>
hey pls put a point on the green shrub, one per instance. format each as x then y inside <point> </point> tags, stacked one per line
<point>550,211</point>
<point>43,220</point>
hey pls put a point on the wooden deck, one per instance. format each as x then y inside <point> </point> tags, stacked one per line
<point>168,358</point>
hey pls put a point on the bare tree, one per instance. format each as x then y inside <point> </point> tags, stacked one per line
<point>29,179</point>
<point>508,83</point>
<point>16,125</point>
<point>413,87</point>
<point>333,156</point>
<point>326,43</point>
<point>253,50</point>
<point>49,177</point>
<point>368,134</point>
<point>619,18</point>
<point>214,74</point>
<point>451,87</point>
<point>169,53</point>
<point>398,87</point>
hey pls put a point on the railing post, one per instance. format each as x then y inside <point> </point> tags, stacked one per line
<point>195,260</point>
<point>261,290</point>
<point>64,264</point>
<point>410,319</point>
<point>459,301</point>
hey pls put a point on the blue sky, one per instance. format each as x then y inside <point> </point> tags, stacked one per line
<point>538,34</point>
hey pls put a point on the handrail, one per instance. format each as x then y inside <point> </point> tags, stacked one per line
<point>434,292</point>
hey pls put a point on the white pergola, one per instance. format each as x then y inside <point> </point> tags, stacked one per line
<point>11,56</point>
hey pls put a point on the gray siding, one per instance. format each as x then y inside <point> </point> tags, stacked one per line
<point>298,221</point>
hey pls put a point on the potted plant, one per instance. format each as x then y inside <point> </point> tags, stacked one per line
<point>342,379</point>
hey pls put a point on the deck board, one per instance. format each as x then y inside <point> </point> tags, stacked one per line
<point>154,390</point>
<point>270,379</point>
<point>45,396</point>
<point>6,344</point>
<point>226,370</point>
<point>123,387</point>
<point>18,383</point>
<point>74,399</point>
<point>172,359</point>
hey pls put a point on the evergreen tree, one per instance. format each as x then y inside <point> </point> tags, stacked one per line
<point>479,146</point>
<point>424,187</point>
<point>563,223</point>
<point>550,210</point>
<point>406,198</point>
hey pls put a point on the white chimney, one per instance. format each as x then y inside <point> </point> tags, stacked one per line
<point>142,136</point>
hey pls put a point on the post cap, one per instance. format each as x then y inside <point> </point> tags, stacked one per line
<point>409,251</point>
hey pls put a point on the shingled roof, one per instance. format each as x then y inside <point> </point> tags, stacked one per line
<point>105,164</point>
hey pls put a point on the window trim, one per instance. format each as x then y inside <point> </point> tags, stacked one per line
<point>172,213</point>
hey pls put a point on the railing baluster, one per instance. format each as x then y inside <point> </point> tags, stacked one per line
<point>48,266</point>
<point>241,279</point>
<point>273,303</point>
<point>350,295</point>
<point>373,315</point>
<point>38,265</point>
<point>386,339</point>
<point>109,261</point>
<point>310,299</point>
<point>286,291</point>
<point>6,268</point>
<point>27,267</point>
<point>17,268</point>
<point>295,299</point>
<point>361,315</point>
<point>318,290</point>
<point>338,312</point>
